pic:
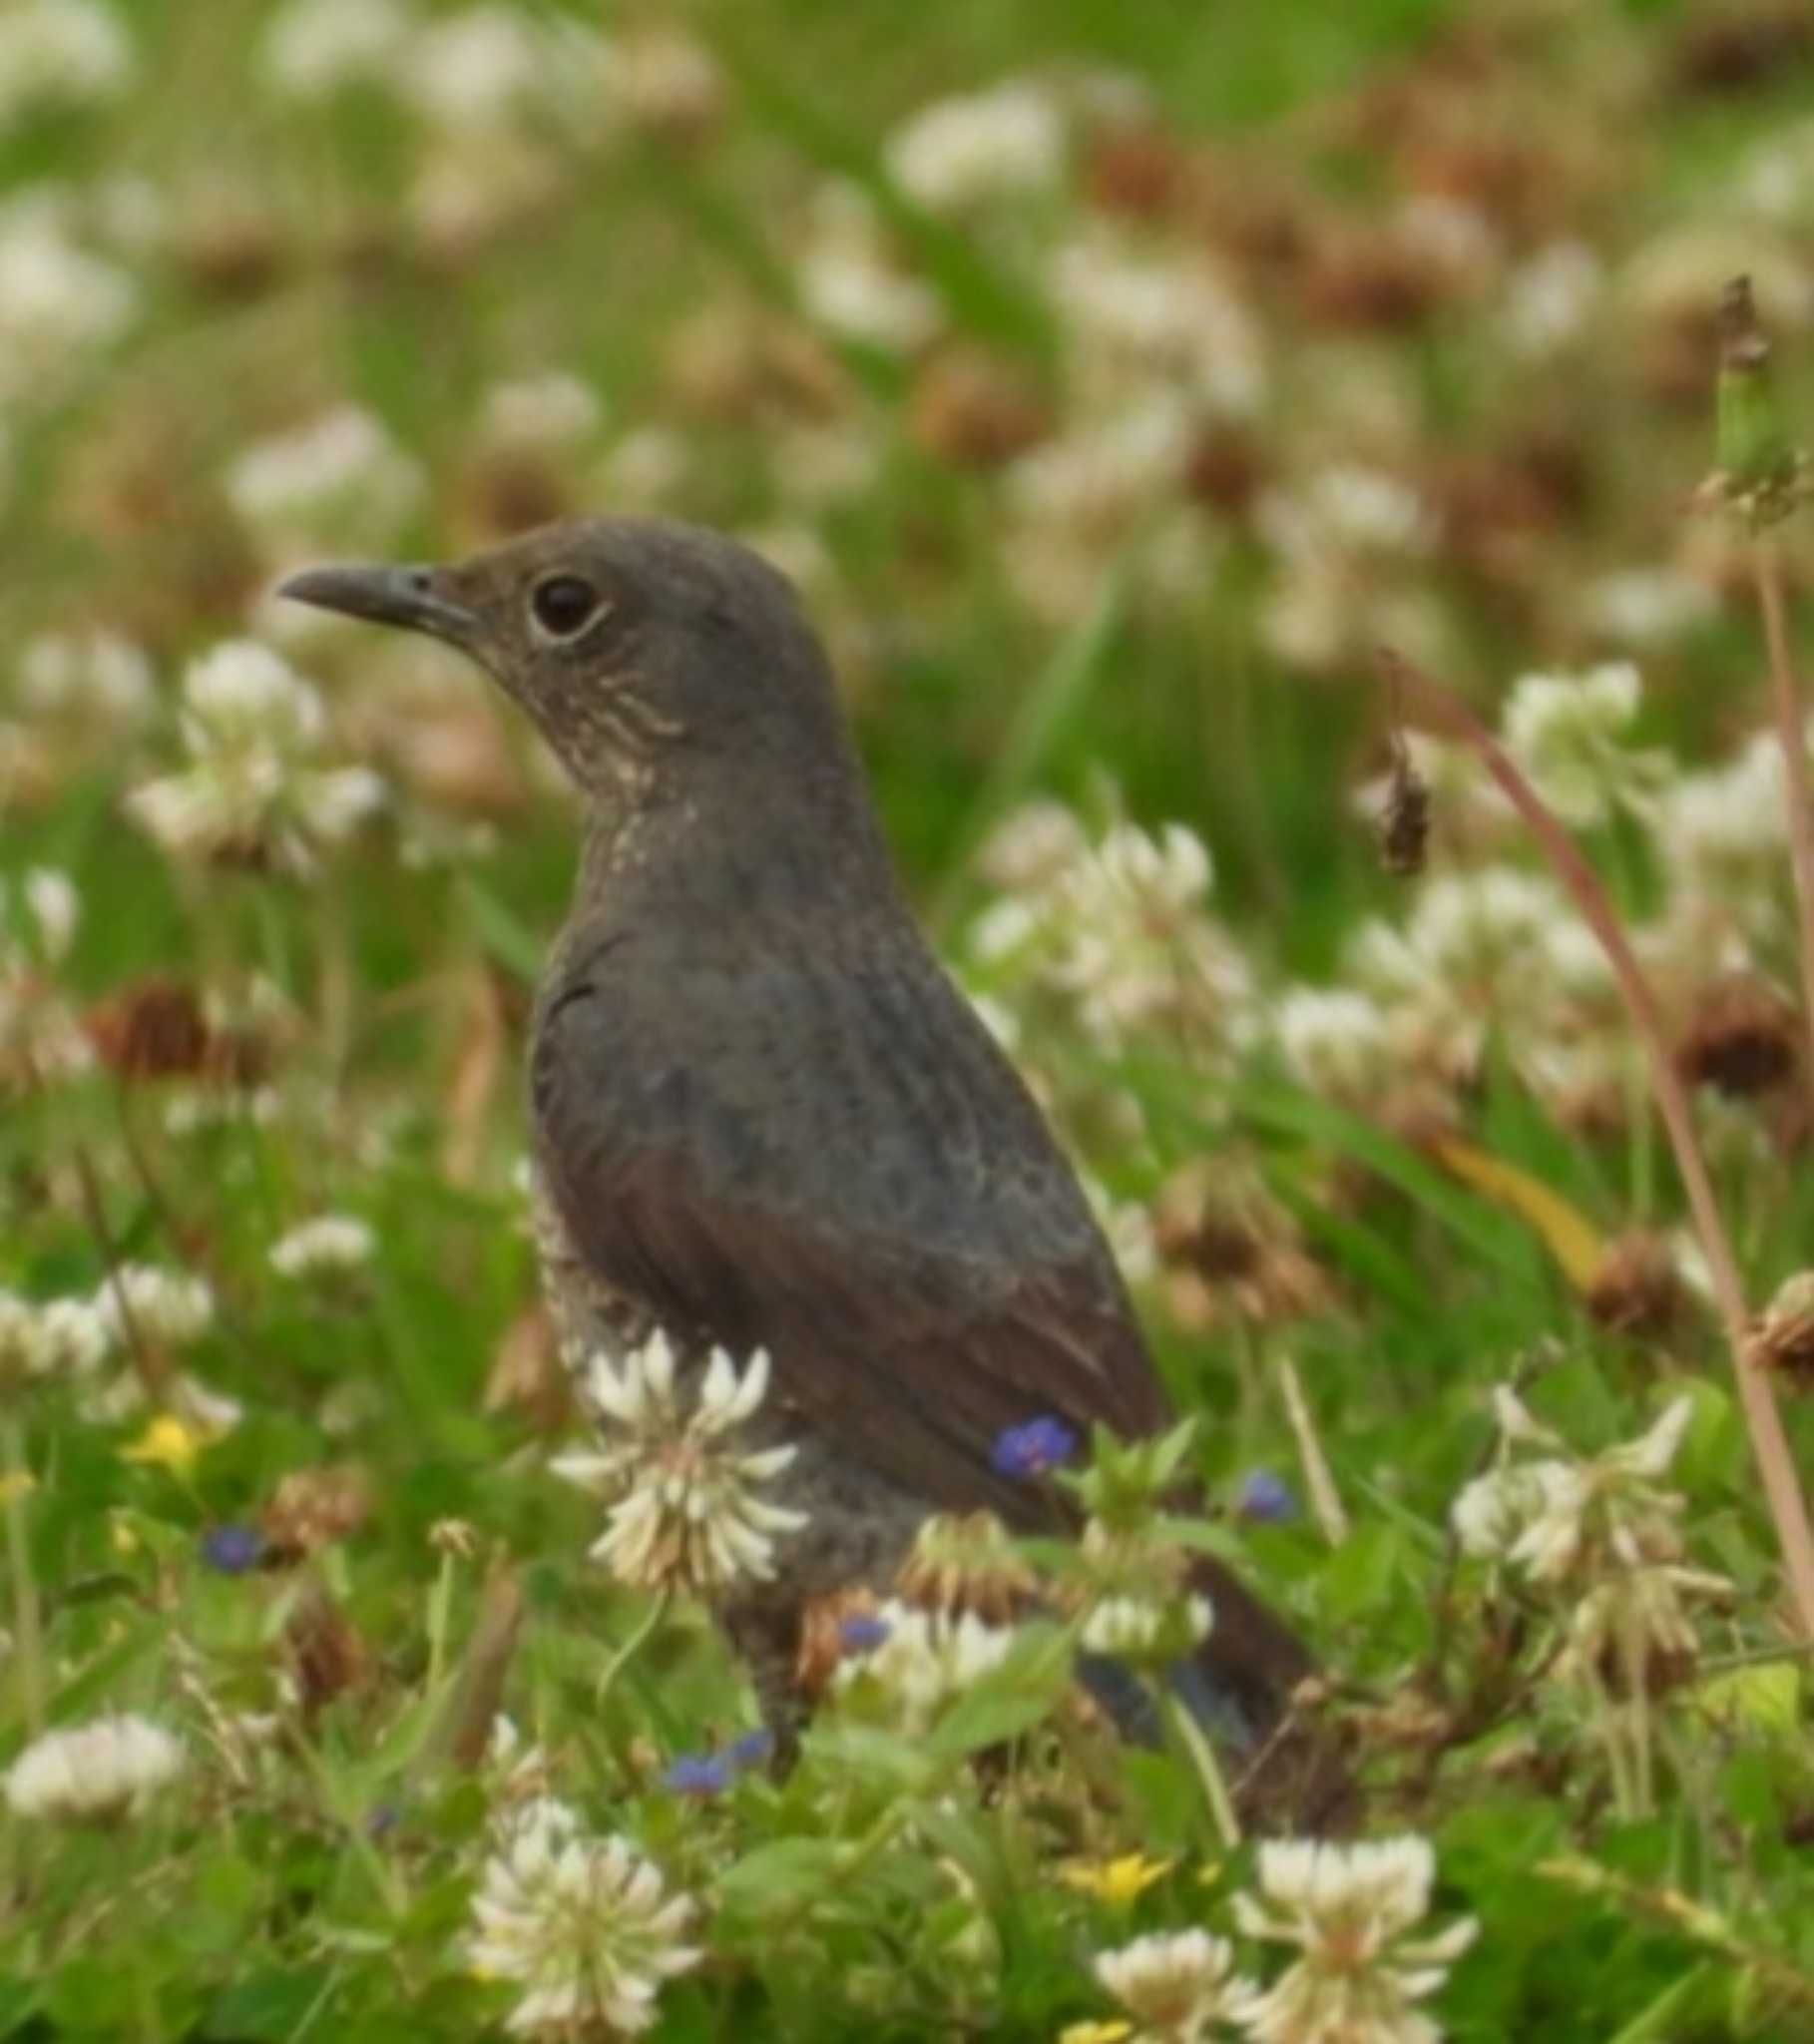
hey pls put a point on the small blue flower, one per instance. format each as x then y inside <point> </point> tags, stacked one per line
<point>751,1749</point>
<point>862,1634</point>
<point>699,1774</point>
<point>1025,1452</point>
<point>232,1549</point>
<point>1266,1496</point>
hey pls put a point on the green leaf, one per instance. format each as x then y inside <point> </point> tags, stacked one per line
<point>1009,1699</point>
<point>271,2004</point>
<point>1048,709</point>
<point>1479,1226</point>
<point>782,1876</point>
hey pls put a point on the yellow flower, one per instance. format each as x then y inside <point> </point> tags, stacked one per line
<point>1118,1882</point>
<point>168,1440</point>
<point>1095,2033</point>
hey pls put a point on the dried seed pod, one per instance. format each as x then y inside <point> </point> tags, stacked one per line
<point>1404,822</point>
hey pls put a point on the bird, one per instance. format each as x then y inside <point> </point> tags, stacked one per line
<point>763,1116</point>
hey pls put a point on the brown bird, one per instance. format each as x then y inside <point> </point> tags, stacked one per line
<point>763,1116</point>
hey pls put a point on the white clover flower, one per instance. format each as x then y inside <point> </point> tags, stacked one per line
<point>313,49</point>
<point>1180,1985</point>
<point>1135,946</point>
<point>167,1308</point>
<point>1335,1040</point>
<point>251,728</point>
<point>242,692</point>
<point>341,473</point>
<point>847,281</point>
<point>107,1769</point>
<point>1146,1628</point>
<point>1032,845</point>
<point>665,81</point>
<point>475,68</point>
<point>684,1514</point>
<point>1550,297</point>
<point>1632,1634</point>
<point>957,153</point>
<point>94,674</point>
<point>52,909</point>
<point>60,53</point>
<point>1072,497</point>
<point>60,1336</point>
<point>41,1037</point>
<point>1724,832</point>
<point>1527,1511</point>
<point>1549,1516</point>
<point>555,411</point>
<point>1146,326</point>
<point>584,1925</point>
<point>1646,607</point>
<point>331,1242</point>
<point>58,303</point>
<point>1569,733</point>
<point>1353,507</point>
<point>1346,1908</point>
<point>1476,932</point>
<point>926,1660</point>
<point>1119,931</point>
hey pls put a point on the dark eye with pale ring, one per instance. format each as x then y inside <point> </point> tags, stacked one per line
<point>564,605</point>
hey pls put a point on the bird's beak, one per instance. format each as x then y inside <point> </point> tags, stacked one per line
<point>415,598</point>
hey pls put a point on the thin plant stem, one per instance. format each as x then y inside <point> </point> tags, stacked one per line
<point>1785,696</point>
<point>1191,1737</point>
<point>641,1634</point>
<point>153,1374</point>
<point>1319,1479</point>
<point>1446,712</point>
<point>28,1625</point>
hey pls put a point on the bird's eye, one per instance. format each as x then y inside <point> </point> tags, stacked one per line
<point>563,605</point>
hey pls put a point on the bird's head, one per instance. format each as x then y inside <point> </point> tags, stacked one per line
<point>636,645</point>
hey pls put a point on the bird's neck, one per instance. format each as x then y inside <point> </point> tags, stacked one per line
<point>744,861</point>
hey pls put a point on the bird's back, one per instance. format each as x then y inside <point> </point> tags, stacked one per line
<point>811,1144</point>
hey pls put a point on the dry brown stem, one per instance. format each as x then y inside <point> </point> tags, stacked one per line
<point>1445,713</point>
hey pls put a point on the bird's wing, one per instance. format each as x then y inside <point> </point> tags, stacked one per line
<point>858,1182</point>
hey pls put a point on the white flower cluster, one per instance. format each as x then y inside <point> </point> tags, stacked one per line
<point>684,1514</point>
<point>253,728</point>
<point>97,675</point>
<point>40,1036</point>
<point>59,303</point>
<point>1602,1532</point>
<point>1358,1979</point>
<point>75,1336</point>
<point>59,1336</point>
<point>851,283</point>
<point>331,1242</point>
<point>1546,1514</point>
<point>101,1770</point>
<point>1346,1908</point>
<point>1569,733</point>
<point>1117,931</point>
<point>341,474</point>
<point>584,1925</point>
<point>60,53</point>
<point>924,1662</point>
<point>1177,1985</point>
<point>555,411</point>
<point>957,153</point>
<point>313,49</point>
<point>1146,1629</point>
